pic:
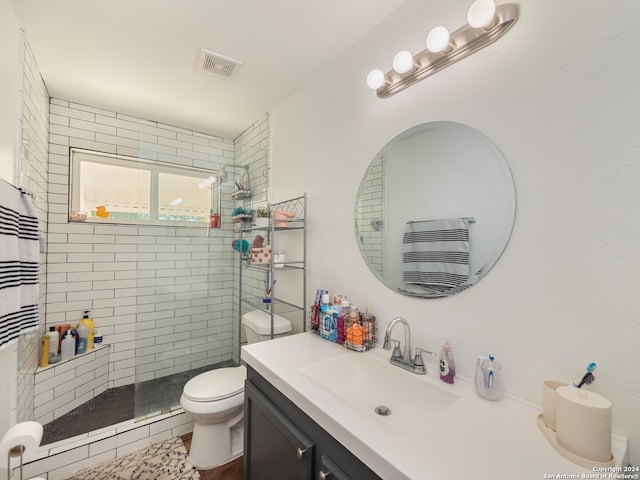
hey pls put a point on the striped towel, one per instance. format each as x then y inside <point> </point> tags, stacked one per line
<point>19,255</point>
<point>435,254</point>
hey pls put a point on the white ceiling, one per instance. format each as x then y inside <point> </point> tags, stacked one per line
<point>139,57</point>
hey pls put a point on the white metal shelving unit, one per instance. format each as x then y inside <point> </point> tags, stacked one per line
<point>295,262</point>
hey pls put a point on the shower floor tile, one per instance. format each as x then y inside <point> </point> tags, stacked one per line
<point>121,404</point>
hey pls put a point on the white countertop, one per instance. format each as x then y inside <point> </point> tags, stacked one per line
<point>472,438</point>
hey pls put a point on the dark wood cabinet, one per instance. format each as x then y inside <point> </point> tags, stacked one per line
<point>274,447</point>
<point>283,443</point>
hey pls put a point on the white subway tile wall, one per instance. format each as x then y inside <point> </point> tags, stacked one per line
<point>371,209</point>
<point>34,124</point>
<point>252,149</point>
<point>65,458</point>
<point>160,295</point>
<point>61,387</point>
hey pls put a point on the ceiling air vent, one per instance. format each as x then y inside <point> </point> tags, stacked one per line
<point>216,64</point>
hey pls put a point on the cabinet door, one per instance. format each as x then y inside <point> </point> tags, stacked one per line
<point>274,447</point>
<point>330,471</point>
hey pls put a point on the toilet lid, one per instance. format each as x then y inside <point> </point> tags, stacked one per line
<point>216,384</point>
<point>260,322</point>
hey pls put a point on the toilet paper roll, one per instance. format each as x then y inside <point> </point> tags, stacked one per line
<point>583,423</point>
<point>27,434</point>
<point>549,402</point>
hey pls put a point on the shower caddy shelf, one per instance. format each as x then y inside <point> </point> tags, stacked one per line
<point>297,206</point>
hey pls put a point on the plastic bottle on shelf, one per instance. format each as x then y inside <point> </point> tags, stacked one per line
<point>54,343</point>
<point>90,330</point>
<point>83,333</point>
<point>44,352</point>
<point>68,348</point>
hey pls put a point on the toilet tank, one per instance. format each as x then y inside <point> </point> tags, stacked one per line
<point>257,326</point>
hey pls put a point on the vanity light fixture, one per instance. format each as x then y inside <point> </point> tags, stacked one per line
<point>486,24</point>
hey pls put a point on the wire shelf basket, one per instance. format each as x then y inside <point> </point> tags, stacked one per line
<point>359,333</point>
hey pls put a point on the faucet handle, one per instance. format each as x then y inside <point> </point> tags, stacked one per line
<point>418,361</point>
<point>397,352</point>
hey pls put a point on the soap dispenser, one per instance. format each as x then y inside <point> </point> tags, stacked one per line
<point>86,321</point>
<point>447,363</point>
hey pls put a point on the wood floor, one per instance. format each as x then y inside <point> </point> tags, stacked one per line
<point>229,471</point>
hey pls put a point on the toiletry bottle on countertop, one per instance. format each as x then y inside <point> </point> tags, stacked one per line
<point>342,318</point>
<point>447,363</point>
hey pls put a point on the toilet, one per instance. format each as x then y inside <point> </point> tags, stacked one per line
<point>215,400</point>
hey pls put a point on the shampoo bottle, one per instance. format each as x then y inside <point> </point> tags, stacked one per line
<point>90,330</point>
<point>54,344</point>
<point>68,347</point>
<point>83,333</point>
<point>447,364</point>
<point>44,352</point>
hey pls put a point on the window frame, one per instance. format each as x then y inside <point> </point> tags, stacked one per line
<point>154,167</point>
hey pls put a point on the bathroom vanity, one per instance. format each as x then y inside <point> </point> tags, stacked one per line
<point>310,411</point>
<point>281,441</point>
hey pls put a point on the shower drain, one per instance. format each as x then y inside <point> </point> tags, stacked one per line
<point>383,410</point>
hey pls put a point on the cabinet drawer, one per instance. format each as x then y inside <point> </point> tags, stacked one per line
<point>330,471</point>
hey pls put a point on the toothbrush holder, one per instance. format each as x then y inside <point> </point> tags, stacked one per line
<point>489,379</point>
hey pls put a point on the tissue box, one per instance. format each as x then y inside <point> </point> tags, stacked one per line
<point>261,255</point>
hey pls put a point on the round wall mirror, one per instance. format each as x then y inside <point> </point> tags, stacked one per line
<point>435,210</point>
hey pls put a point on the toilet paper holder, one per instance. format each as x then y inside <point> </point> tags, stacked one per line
<point>20,439</point>
<point>14,452</point>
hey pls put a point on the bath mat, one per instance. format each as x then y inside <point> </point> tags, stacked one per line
<point>166,460</point>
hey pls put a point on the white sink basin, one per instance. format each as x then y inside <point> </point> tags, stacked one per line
<point>365,383</point>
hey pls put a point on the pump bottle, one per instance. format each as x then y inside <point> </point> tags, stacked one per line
<point>447,363</point>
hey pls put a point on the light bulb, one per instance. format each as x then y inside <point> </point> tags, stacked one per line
<point>375,79</point>
<point>481,13</point>
<point>403,62</point>
<point>438,39</point>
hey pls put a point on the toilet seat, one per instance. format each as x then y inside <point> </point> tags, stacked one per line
<point>216,384</point>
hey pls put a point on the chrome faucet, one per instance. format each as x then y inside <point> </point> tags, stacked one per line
<point>402,358</point>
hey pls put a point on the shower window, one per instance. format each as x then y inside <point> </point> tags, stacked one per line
<point>117,189</point>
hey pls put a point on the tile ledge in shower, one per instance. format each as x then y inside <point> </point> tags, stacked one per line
<point>73,359</point>
<point>103,433</point>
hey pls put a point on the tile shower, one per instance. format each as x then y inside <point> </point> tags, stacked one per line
<point>132,277</point>
<point>162,296</point>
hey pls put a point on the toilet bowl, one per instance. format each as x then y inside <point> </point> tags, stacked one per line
<point>215,400</point>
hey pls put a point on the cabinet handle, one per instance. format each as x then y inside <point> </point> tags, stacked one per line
<point>300,453</point>
<point>323,476</point>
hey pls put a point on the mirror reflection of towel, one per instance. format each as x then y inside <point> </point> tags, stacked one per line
<point>435,254</point>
